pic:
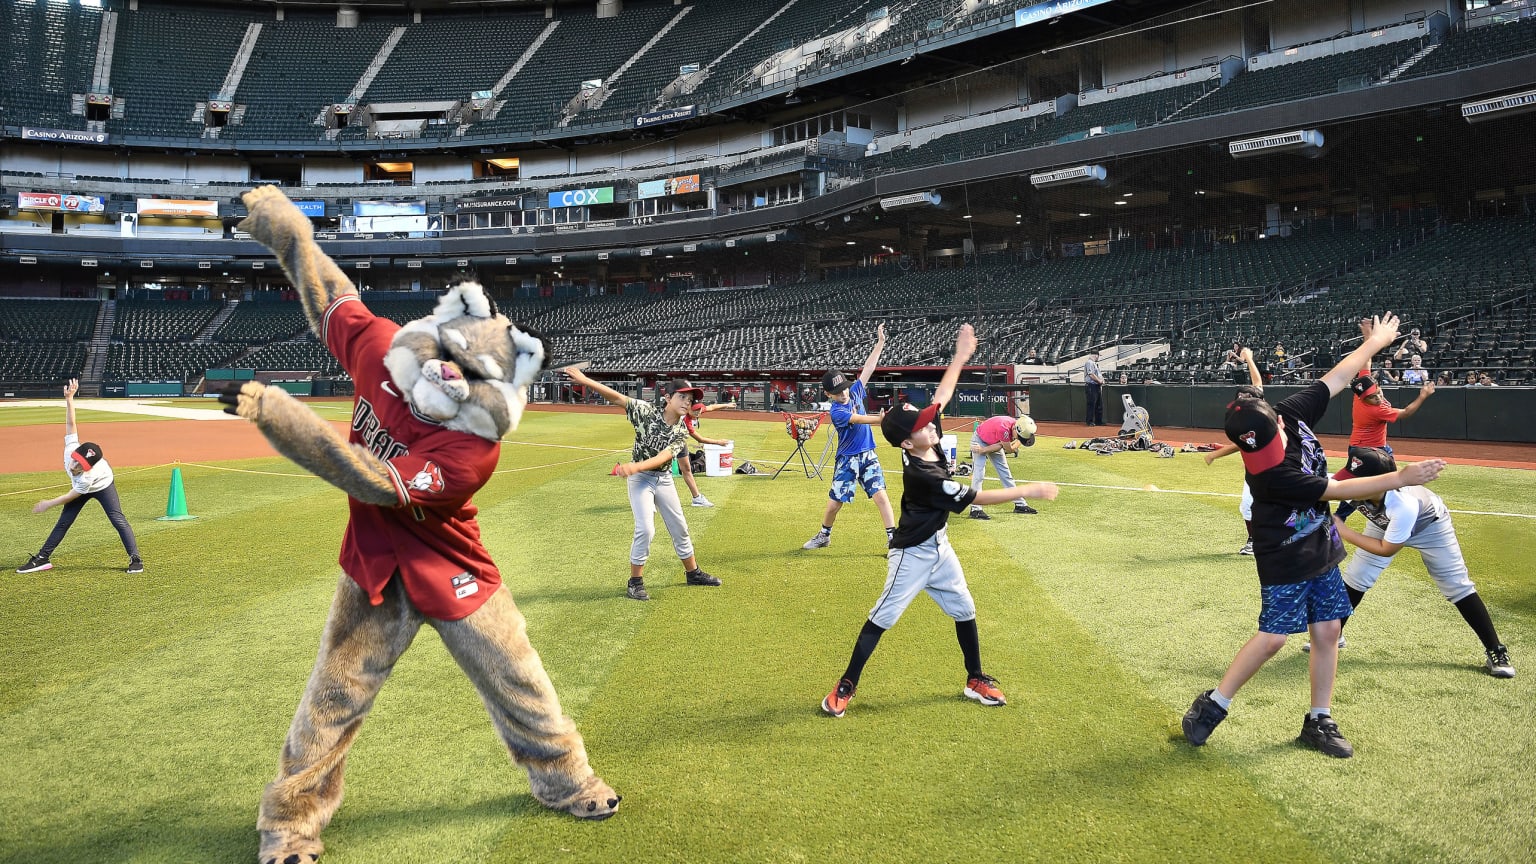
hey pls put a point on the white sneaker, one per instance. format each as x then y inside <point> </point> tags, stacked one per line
<point>820,541</point>
<point>1247,548</point>
<point>701,501</point>
<point>1306,647</point>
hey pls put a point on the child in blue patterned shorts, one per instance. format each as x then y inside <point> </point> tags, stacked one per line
<point>1295,545</point>
<point>857,463</point>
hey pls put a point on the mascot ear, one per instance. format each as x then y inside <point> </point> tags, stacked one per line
<point>465,298</point>
<point>532,358</point>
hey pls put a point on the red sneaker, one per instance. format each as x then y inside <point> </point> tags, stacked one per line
<point>983,688</point>
<point>837,701</point>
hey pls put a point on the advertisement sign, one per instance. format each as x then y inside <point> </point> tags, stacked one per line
<point>178,207</point>
<point>63,136</point>
<point>1054,9</point>
<point>670,186</point>
<point>389,208</point>
<point>671,115</point>
<point>58,201</point>
<point>312,209</point>
<point>581,197</point>
<point>514,203</point>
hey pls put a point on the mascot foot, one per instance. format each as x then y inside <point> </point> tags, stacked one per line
<point>283,848</point>
<point>594,800</point>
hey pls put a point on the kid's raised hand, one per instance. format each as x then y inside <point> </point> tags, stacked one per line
<point>965,341</point>
<point>1383,330</point>
<point>71,388</point>
<point>1420,473</point>
<point>880,332</point>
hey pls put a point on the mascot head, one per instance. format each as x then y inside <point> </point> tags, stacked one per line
<point>465,365</point>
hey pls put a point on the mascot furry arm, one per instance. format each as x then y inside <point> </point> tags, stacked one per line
<point>294,430</point>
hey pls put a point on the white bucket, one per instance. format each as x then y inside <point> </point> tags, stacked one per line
<point>717,459</point>
<point>948,443</point>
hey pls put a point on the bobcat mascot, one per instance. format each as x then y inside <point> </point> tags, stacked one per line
<point>433,399</point>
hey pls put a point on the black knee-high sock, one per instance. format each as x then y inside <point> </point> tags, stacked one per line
<point>970,646</point>
<point>1471,608</point>
<point>1248,523</point>
<point>869,637</point>
<point>1354,601</point>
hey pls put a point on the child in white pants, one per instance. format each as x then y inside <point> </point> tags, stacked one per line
<point>659,438</point>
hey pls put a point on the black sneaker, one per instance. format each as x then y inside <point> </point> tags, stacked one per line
<point>699,577</point>
<point>135,565</point>
<point>1323,734</point>
<point>35,564</point>
<point>1498,663</point>
<point>978,513</point>
<point>1202,718</point>
<point>1021,507</point>
<point>636,590</point>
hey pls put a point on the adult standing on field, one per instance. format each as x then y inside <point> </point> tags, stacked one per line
<point>1093,385</point>
<point>90,478</point>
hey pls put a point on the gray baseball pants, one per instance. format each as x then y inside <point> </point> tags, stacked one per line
<point>979,462</point>
<point>649,492</point>
<point>929,566</point>
<point>1442,558</point>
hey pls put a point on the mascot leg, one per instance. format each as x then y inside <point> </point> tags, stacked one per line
<point>359,648</point>
<point>491,646</point>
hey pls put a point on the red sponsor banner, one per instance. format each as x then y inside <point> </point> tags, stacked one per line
<point>39,200</point>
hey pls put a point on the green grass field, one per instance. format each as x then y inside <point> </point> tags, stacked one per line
<point>142,715</point>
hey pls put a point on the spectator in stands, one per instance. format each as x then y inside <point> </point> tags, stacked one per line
<point>1414,344</point>
<point>1471,378</point>
<point>1033,359</point>
<point>1093,384</point>
<point>1416,373</point>
<point>1486,380</point>
<point>1279,355</point>
<point>90,478</point>
<point>1444,379</point>
<point>1387,374</point>
<point>1234,358</point>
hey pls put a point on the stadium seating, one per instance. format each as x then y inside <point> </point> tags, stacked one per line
<point>168,59</point>
<point>47,320</point>
<point>165,362</point>
<point>1489,44</point>
<point>1331,74</point>
<point>259,323</point>
<point>161,321</point>
<point>451,56</point>
<point>40,364</point>
<point>47,54</point>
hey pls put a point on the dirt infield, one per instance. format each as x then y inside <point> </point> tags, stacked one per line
<point>157,442</point>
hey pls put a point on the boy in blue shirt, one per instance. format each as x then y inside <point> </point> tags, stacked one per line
<point>857,463</point>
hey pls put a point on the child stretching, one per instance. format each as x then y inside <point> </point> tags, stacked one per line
<point>920,558</point>
<point>994,440</point>
<point>659,438</point>
<point>857,465</point>
<point>1295,545</point>
<point>684,464</point>
<point>1414,516</point>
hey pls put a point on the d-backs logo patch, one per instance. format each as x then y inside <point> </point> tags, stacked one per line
<point>954,490</point>
<point>1354,463</point>
<point>428,479</point>
<point>1250,440</point>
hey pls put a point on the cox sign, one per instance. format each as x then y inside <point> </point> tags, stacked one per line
<point>581,197</point>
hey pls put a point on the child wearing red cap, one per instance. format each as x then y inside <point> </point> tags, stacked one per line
<point>90,478</point>
<point>1296,549</point>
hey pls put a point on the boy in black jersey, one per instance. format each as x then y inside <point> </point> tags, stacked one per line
<point>1295,545</point>
<point>920,558</point>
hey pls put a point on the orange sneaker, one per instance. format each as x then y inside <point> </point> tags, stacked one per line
<point>837,701</point>
<point>983,688</point>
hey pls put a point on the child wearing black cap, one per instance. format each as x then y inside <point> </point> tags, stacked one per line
<point>1414,516</point>
<point>659,438</point>
<point>857,463</point>
<point>920,558</point>
<point>1295,546</point>
<point>90,478</point>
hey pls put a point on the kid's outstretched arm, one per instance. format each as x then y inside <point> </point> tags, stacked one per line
<point>580,377</point>
<point>965,346</point>
<point>874,356</point>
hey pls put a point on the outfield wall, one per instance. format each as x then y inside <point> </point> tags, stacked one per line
<point>1453,413</point>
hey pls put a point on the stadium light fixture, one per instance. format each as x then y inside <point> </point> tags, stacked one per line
<point>849,243</point>
<point>1067,176</point>
<point>966,216</point>
<point>1117,203</point>
<point>1085,214</point>
<point>1304,140</point>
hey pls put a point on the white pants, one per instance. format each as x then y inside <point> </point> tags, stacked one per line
<point>1442,558</point>
<point>929,566</point>
<point>650,491</point>
<point>1245,506</point>
<point>979,462</point>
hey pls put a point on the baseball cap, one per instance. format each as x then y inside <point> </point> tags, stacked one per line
<point>1370,462</point>
<point>1024,430</point>
<point>898,425</point>
<point>681,385</point>
<point>87,455</point>
<point>1363,385</point>
<point>1254,427</point>
<point>835,382</point>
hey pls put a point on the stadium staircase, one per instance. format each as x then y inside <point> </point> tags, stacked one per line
<point>497,102</point>
<point>710,68</point>
<point>579,103</point>
<point>101,78</point>
<point>217,321</point>
<point>1409,63</point>
<point>96,354</point>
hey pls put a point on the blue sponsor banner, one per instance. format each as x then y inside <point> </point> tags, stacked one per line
<point>581,197</point>
<point>389,208</point>
<point>671,115</point>
<point>312,209</point>
<point>653,188</point>
<point>1054,9</point>
<point>63,136</point>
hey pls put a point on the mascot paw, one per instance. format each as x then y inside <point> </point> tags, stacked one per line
<point>243,400</point>
<point>273,219</point>
<point>596,800</point>
<point>283,848</point>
